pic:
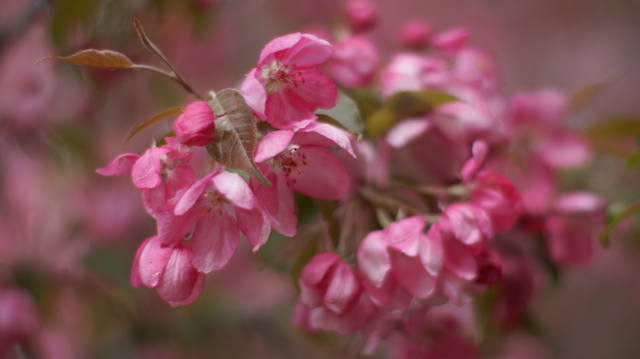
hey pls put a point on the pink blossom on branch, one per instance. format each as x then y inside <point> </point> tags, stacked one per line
<point>286,87</point>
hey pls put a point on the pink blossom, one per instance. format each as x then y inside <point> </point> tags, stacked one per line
<point>169,270</point>
<point>415,34</point>
<point>573,226</point>
<point>499,197</point>
<point>451,41</point>
<point>287,87</point>
<point>361,14</point>
<point>304,162</point>
<point>475,68</point>
<point>400,255</point>
<point>219,207</point>
<point>479,152</point>
<point>195,126</point>
<point>18,318</point>
<point>355,62</point>
<point>412,72</point>
<point>542,107</point>
<point>331,296</point>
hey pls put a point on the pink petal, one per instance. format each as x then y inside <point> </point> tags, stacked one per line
<point>195,292</point>
<point>279,44</point>
<point>317,268</point>
<point>342,289</point>
<point>317,89</point>
<point>406,131</point>
<point>373,258</point>
<point>272,144</point>
<point>412,275</point>
<point>459,259</point>
<point>563,150</point>
<point>254,225</point>
<point>286,110</point>
<point>404,235</point>
<point>312,275</point>
<point>120,165</point>
<point>214,241</point>
<point>308,51</point>
<point>451,41</point>
<point>179,278</point>
<point>330,136</point>
<point>145,172</point>
<point>322,177</point>
<point>432,251</point>
<point>278,201</point>
<point>254,94</point>
<point>193,194</point>
<point>235,189</point>
<point>470,224</point>
<point>152,261</point>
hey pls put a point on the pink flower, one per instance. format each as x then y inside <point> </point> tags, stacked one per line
<point>195,126</point>
<point>18,319</point>
<point>287,87</point>
<point>542,107</point>
<point>475,68</point>
<point>573,226</point>
<point>451,41</point>
<point>331,296</point>
<point>499,197</point>
<point>219,207</point>
<point>361,14</point>
<point>461,233</point>
<point>355,62</point>
<point>302,160</point>
<point>479,151</point>
<point>415,34</point>
<point>412,72</point>
<point>169,270</point>
<point>400,256</point>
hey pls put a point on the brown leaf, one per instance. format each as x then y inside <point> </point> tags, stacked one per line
<point>107,59</point>
<point>171,112</point>
<point>150,45</point>
<point>236,133</point>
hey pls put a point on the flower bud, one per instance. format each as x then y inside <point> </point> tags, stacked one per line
<point>196,127</point>
<point>415,34</point>
<point>361,15</point>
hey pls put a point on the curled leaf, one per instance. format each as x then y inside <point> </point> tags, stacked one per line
<point>168,113</point>
<point>106,59</point>
<point>148,44</point>
<point>345,114</point>
<point>404,105</point>
<point>236,133</point>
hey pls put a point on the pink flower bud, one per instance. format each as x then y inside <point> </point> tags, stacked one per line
<point>452,40</point>
<point>415,34</point>
<point>361,15</point>
<point>196,127</point>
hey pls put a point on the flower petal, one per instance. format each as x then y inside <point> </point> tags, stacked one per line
<point>328,136</point>
<point>406,131</point>
<point>145,172</point>
<point>235,189</point>
<point>317,89</point>
<point>373,258</point>
<point>120,165</point>
<point>179,278</point>
<point>214,241</point>
<point>272,144</point>
<point>152,261</point>
<point>323,176</point>
<point>342,289</point>
<point>191,196</point>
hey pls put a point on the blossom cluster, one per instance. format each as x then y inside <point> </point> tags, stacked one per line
<point>457,194</point>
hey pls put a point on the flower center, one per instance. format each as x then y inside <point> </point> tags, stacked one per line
<point>277,75</point>
<point>291,162</point>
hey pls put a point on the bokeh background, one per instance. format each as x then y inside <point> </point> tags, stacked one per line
<point>67,236</point>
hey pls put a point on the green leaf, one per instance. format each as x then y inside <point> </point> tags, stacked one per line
<point>404,105</point>
<point>615,220</point>
<point>345,114</point>
<point>242,173</point>
<point>168,113</point>
<point>236,133</point>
